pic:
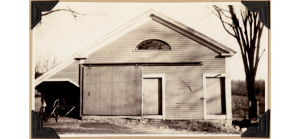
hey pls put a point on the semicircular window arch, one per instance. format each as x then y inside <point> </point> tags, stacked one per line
<point>153,44</point>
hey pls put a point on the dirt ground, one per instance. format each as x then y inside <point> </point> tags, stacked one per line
<point>136,126</point>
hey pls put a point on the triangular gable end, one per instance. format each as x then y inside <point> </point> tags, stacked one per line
<point>150,15</point>
<point>171,23</point>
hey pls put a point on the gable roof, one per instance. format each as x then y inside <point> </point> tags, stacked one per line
<point>149,15</point>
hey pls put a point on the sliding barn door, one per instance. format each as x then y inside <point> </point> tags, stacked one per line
<point>112,90</point>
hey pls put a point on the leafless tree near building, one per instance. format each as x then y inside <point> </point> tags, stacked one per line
<point>247,31</point>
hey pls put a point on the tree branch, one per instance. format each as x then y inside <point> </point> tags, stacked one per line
<point>239,31</point>
<point>75,14</point>
<point>228,24</point>
<point>257,48</point>
<point>245,19</point>
<point>256,27</point>
<point>261,54</point>
<point>251,25</point>
<point>239,38</point>
<point>218,10</point>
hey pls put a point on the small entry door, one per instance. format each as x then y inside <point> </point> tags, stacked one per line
<point>152,96</point>
<point>215,96</point>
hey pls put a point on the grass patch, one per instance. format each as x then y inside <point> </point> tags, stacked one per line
<point>240,104</point>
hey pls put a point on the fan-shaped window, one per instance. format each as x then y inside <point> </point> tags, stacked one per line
<point>153,44</point>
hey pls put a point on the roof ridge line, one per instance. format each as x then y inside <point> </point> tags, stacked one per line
<point>195,31</point>
<point>150,12</point>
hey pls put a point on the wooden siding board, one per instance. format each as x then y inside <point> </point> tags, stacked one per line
<point>71,72</point>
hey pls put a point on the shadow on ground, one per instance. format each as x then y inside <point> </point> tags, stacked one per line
<point>245,123</point>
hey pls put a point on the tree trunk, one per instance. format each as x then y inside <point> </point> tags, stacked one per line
<point>251,97</point>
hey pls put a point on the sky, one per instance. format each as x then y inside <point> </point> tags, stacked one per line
<point>60,34</point>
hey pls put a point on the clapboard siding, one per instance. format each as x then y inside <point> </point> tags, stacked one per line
<point>182,48</point>
<point>71,72</point>
<point>179,103</point>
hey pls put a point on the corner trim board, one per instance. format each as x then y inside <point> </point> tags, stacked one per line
<point>228,88</point>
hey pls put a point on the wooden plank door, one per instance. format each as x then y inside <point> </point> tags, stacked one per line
<point>97,91</point>
<point>112,90</point>
<point>215,96</point>
<point>127,91</point>
<point>152,96</point>
<point>86,91</point>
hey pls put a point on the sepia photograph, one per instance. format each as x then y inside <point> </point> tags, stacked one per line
<point>143,69</point>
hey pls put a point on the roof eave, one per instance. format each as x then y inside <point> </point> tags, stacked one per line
<point>227,54</point>
<point>160,18</point>
<point>82,54</point>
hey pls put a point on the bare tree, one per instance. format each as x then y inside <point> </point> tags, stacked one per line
<point>74,13</point>
<point>247,32</point>
<point>43,64</point>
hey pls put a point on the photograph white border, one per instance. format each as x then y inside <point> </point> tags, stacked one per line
<point>144,135</point>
